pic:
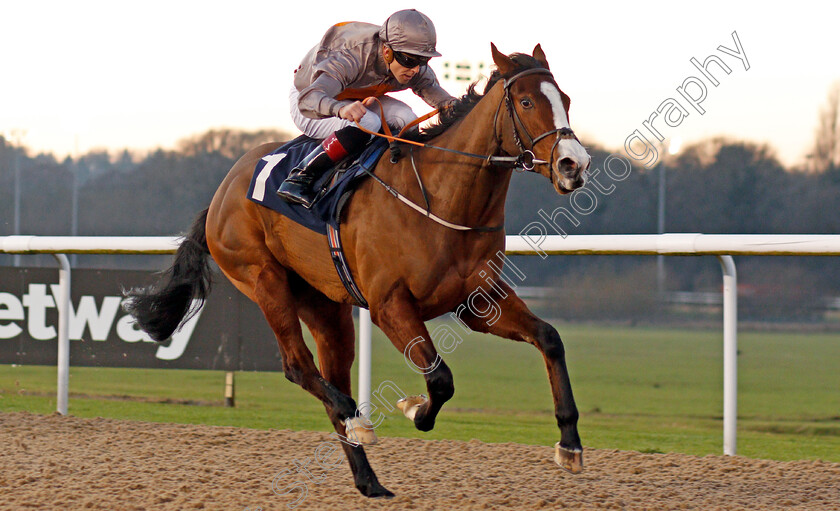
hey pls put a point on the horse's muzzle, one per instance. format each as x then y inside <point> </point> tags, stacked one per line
<point>568,174</point>
<point>571,163</point>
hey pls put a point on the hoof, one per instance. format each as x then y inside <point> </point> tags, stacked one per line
<point>383,493</point>
<point>375,491</point>
<point>569,460</point>
<point>409,405</point>
<point>358,430</point>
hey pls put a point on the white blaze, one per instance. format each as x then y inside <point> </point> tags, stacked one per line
<point>567,148</point>
<point>561,120</point>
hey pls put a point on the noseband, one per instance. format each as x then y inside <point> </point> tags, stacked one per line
<point>528,162</point>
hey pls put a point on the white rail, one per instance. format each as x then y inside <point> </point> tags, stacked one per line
<point>89,244</point>
<point>721,245</point>
<point>677,244</point>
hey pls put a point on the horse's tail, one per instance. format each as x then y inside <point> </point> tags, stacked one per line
<point>162,308</point>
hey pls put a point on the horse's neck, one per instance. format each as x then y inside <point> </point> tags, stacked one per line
<point>466,189</point>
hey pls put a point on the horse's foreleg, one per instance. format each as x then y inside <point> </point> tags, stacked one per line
<point>515,321</point>
<point>331,325</point>
<point>399,320</point>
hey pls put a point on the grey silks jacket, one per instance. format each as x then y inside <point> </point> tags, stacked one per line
<point>347,65</point>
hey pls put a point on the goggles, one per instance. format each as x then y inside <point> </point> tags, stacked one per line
<point>410,61</point>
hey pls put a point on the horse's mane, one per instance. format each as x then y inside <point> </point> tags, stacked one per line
<point>464,105</point>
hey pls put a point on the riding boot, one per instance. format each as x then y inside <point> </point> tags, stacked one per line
<point>298,187</point>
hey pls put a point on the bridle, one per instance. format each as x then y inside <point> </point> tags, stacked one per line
<point>563,133</point>
<point>525,161</point>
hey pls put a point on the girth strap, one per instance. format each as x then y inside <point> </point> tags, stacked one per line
<point>340,262</point>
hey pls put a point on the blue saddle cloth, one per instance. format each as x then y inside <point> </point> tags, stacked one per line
<point>273,168</point>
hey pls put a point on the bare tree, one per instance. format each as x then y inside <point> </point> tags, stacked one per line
<point>826,152</point>
<point>230,143</point>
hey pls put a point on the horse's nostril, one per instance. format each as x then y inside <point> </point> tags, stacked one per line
<point>568,164</point>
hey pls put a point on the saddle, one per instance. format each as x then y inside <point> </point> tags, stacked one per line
<point>337,185</point>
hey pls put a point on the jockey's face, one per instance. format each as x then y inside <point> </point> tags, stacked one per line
<point>402,73</point>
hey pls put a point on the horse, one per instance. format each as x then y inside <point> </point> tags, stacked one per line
<point>409,268</point>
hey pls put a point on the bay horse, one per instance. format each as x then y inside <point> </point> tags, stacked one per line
<point>408,268</point>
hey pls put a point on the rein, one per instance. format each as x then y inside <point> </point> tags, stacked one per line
<point>525,161</point>
<point>427,211</point>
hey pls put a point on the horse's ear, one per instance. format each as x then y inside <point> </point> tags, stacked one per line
<point>502,61</point>
<point>540,56</point>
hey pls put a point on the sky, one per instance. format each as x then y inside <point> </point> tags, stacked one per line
<point>78,75</point>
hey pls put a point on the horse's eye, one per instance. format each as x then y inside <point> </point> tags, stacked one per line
<point>526,103</point>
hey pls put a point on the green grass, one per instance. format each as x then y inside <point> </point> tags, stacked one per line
<point>644,389</point>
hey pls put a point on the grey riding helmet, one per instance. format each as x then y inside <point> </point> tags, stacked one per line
<point>410,31</point>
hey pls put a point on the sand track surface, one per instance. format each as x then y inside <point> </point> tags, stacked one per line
<point>55,462</point>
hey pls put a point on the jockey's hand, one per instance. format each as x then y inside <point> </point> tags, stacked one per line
<point>447,107</point>
<point>353,112</point>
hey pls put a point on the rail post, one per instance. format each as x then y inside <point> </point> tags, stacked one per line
<point>365,328</point>
<point>63,363</point>
<point>730,354</point>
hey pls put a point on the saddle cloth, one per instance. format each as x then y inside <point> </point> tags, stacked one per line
<point>273,168</point>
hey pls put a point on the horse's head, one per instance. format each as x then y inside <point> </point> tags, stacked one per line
<point>538,119</point>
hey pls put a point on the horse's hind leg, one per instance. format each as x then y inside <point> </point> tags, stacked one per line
<point>331,324</point>
<point>399,320</point>
<point>273,293</point>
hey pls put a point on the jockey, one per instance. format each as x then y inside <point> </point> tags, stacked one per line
<point>337,81</point>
